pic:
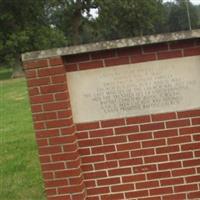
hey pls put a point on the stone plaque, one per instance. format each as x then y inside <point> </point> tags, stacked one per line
<point>135,89</point>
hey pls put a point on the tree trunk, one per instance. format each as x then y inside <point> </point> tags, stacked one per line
<point>77,23</point>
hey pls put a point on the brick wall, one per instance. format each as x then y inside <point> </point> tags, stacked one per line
<point>152,157</point>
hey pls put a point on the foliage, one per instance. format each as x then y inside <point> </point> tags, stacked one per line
<point>198,14</point>
<point>71,17</point>
<point>28,25</point>
<point>126,18</point>
<point>177,18</point>
<point>23,28</point>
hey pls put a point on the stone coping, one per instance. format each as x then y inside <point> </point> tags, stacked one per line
<point>114,44</point>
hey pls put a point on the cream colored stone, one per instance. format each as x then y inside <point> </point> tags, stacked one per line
<point>135,89</point>
<point>121,43</point>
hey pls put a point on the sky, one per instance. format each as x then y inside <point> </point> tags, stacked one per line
<point>195,2</point>
<point>94,12</point>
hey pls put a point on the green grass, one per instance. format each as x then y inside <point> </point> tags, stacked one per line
<point>20,177</point>
<point>5,73</point>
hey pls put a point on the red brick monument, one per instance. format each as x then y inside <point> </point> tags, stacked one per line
<point>118,119</point>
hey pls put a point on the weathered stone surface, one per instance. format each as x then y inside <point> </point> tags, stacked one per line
<point>150,39</point>
<point>135,89</point>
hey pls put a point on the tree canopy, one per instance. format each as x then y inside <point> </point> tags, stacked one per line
<point>28,25</point>
<point>24,27</point>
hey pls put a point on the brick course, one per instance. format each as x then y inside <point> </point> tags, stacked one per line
<point>152,157</point>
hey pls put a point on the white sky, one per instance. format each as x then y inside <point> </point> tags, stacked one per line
<point>94,12</point>
<point>195,2</point>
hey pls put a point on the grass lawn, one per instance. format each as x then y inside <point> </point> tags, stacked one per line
<point>20,177</point>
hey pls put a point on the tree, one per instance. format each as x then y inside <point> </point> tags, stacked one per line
<point>28,25</point>
<point>198,14</point>
<point>24,28</point>
<point>127,18</point>
<point>116,19</point>
<point>71,16</point>
<point>177,18</point>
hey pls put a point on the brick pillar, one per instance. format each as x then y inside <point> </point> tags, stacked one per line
<point>54,128</point>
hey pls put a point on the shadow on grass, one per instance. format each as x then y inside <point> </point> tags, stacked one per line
<point>5,73</point>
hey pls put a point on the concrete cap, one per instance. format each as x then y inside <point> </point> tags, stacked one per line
<point>114,44</point>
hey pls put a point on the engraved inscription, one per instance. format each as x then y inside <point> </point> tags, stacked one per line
<point>119,95</point>
<point>135,89</point>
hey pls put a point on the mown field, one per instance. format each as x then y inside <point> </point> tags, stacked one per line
<point>20,177</point>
